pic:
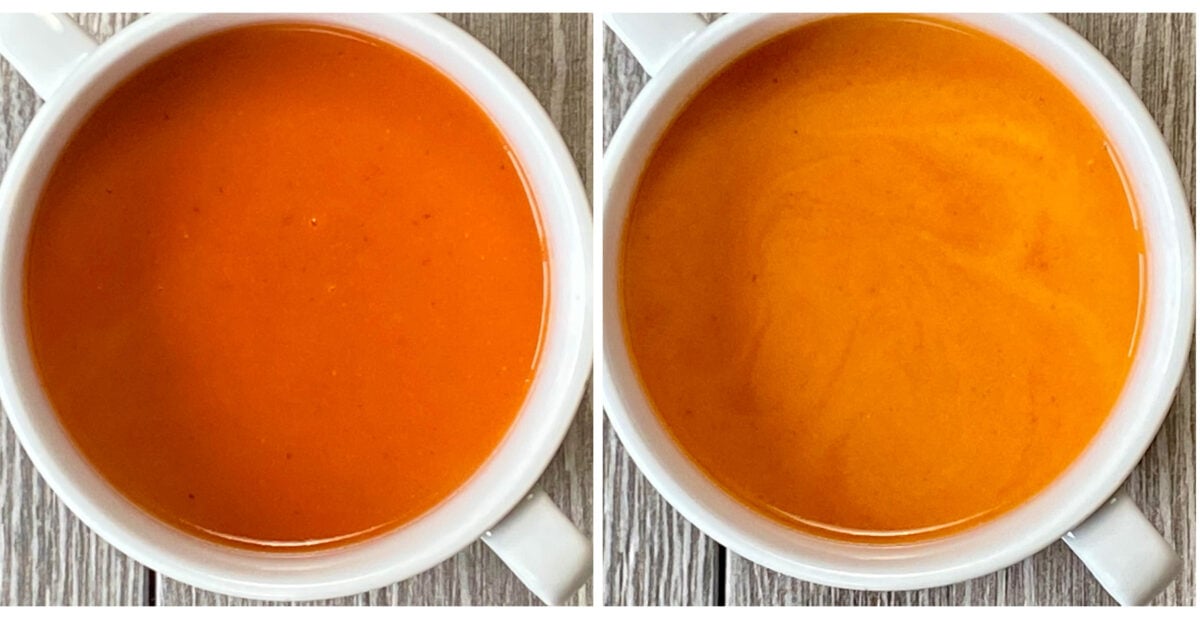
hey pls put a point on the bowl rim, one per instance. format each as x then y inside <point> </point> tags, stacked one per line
<point>1013,536</point>
<point>495,488</point>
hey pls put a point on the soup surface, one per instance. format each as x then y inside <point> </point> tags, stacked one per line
<point>285,287</point>
<point>881,278</point>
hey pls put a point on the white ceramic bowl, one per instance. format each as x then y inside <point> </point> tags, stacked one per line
<point>72,74</point>
<point>1125,553</point>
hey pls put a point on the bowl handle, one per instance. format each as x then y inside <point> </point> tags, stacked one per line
<point>543,548</point>
<point>44,48</point>
<point>1125,552</point>
<point>654,37</point>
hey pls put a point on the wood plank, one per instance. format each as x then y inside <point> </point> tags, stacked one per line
<point>552,53</point>
<point>653,556</point>
<point>47,557</point>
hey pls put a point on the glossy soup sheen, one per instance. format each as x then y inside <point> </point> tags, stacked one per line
<point>285,287</point>
<point>881,278</point>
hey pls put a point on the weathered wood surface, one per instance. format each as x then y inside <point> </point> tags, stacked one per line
<point>48,557</point>
<point>655,557</point>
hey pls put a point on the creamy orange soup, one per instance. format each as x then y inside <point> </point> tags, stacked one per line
<point>285,287</point>
<point>881,278</point>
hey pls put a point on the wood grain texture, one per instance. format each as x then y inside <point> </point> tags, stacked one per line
<point>1156,53</point>
<point>48,557</point>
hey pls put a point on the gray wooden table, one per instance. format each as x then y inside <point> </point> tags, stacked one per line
<point>653,556</point>
<point>48,557</point>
